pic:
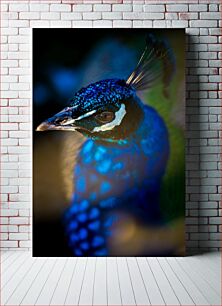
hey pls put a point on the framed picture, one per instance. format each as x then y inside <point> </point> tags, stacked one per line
<point>108,142</point>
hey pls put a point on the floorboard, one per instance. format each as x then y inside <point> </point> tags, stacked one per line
<point>188,282</point>
<point>100,283</point>
<point>180,291</point>
<point>86,294</point>
<point>193,280</point>
<point>113,284</point>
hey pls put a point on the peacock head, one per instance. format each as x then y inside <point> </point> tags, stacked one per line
<point>107,110</point>
<point>110,109</point>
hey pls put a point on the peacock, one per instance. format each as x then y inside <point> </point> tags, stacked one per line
<point>120,167</point>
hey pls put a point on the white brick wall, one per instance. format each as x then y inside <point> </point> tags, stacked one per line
<point>201,20</point>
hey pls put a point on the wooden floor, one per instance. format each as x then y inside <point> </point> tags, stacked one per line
<point>110,281</point>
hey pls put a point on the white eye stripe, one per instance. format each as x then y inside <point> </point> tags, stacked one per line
<point>86,115</point>
<point>117,121</point>
<point>79,118</point>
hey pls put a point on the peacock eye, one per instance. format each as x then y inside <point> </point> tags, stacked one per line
<point>105,117</point>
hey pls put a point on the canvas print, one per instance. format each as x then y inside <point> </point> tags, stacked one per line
<point>108,142</point>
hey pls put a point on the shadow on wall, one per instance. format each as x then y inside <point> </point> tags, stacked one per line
<point>194,222</point>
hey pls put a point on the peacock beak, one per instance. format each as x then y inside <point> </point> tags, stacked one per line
<point>62,121</point>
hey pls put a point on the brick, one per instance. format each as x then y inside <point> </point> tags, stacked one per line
<point>18,220</point>
<point>24,157</point>
<point>215,220</point>
<point>19,71</point>
<point>4,7</point>
<point>39,7</point>
<point>4,228</point>
<point>204,31</point>
<point>25,244</point>
<point>39,24</point>
<point>187,16</point>
<point>4,220</point>
<point>213,7</point>
<point>180,23</point>
<point>18,236</point>
<point>215,31</point>
<point>215,236</point>
<point>199,236</point>
<point>203,23</point>
<point>208,15</point>
<point>102,23</point>
<point>18,23</point>
<point>19,86</point>
<point>208,39</point>
<point>147,23</point>
<point>9,31</point>
<point>102,7</point>
<point>82,7</point>
<point>137,8</point>
<point>5,158</point>
<point>4,39</point>
<point>19,118</point>
<point>177,8</point>
<point>154,8</point>
<point>4,181</point>
<point>93,15</point>
<point>210,228</point>
<point>138,23</point>
<point>9,173</point>
<point>215,78</point>
<point>20,182</point>
<point>210,244</point>
<point>24,212</point>
<point>9,212</point>
<point>24,229</point>
<point>171,16</point>
<point>4,236</point>
<point>191,220</point>
<point>207,55</point>
<point>192,244</point>
<point>122,23</point>
<point>9,78</point>
<point>82,24</point>
<point>13,158</point>
<point>24,47</point>
<point>121,7</point>
<point>60,8</point>
<point>9,126</point>
<point>112,15</point>
<point>52,16</point>
<point>18,149</point>
<point>18,7</point>
<point>135,15</point>
<point>9,142</point>
<point>29,15</point>
<point>60,24</point>
<point>19,102</point>
<point>9,63</point>
<point>8,244</point>
<point>25,31</point>
<point>197,7</point>
<point>71,16</point>
<point>208,205</point>
<point>4,86</point>
<point>208,213</point>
